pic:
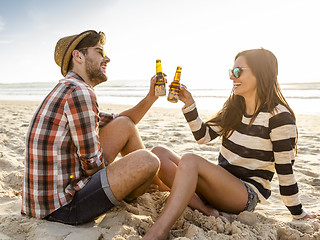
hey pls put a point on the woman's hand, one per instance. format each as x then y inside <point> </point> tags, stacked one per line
<point>185,96</point>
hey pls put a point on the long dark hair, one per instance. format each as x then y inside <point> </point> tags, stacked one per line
<point>264,66</point>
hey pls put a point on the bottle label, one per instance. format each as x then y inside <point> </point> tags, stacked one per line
<point>160,79</point>
<point>173,97</point>
<point>160,90</point>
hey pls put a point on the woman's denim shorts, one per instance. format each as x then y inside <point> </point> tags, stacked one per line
<point>252,198</point>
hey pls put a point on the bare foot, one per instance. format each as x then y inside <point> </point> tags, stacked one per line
<point>161,185</point>
<point>210,211</point>
<point>154,236</point>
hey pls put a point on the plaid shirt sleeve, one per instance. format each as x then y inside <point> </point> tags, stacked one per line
<point>83,117</point>
<point>105,118</point>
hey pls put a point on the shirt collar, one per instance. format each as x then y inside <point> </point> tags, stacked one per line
<point>73,75</point>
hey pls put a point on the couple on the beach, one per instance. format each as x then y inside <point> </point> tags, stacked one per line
<point>71,175</point>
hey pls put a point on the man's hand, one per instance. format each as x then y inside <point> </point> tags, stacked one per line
<point>152,87</point>
<point>93,171</point>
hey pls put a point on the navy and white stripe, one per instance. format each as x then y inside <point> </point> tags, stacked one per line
<point>255,153</point>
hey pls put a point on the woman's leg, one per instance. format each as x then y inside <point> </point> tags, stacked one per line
<point>169,161</point>
<point>219,187</point>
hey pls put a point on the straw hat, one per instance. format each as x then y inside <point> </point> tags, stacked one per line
<point>64,48</point>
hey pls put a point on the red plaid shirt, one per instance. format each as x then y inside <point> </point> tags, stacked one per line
<point>61,142</point>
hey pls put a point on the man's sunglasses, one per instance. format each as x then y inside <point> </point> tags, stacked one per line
<point>236,72</point>
<point>99,49</point>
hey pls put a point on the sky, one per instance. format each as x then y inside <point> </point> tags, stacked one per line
<point>201,36</point>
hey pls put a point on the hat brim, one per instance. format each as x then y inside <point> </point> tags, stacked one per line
<point>72,45</point>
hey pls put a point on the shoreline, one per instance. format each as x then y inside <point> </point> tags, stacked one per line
<point>126,106</point>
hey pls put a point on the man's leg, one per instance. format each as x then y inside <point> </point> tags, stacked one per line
<point>119,136</point>
<point>132,175</point>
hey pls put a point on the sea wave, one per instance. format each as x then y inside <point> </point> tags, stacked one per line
<point>302,97</point>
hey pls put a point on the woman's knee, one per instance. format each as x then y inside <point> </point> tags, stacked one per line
<point>161,152</point>
<point>167,158</point>
<point>188,160</point>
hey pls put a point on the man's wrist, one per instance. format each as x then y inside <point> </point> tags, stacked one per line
<point>151,98</point>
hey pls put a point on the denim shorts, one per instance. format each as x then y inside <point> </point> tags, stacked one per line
<point>252,199</point>
<point>94,199</point>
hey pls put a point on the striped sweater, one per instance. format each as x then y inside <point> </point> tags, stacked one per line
<point>254,154</point>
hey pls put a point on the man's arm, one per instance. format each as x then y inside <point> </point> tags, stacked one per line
<point>82,114</point>
<point>137,112</point>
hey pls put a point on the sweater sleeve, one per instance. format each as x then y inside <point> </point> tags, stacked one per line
<point>283,136</point>
<point>202,132</point>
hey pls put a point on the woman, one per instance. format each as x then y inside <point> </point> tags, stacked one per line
<point>259,135</point>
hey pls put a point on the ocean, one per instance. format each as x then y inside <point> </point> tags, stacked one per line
<point>303,98</point>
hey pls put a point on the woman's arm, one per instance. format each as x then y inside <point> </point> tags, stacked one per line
<point>283,138</point>
<point>202,132</point>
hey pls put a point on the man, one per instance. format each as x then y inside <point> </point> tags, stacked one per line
<point>70,173</point>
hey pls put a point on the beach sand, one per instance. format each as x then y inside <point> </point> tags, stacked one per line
<point>165,127</point>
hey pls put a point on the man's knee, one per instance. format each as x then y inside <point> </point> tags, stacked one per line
<point>148,160</point>
<point>121,123</point>
<point>124,122</point>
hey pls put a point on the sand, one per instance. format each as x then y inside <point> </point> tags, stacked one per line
<point>165,127</point>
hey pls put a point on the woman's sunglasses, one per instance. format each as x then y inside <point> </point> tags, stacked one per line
<point>236,72</point>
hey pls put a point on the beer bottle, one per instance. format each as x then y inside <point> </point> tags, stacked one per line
<point>160,85</point>
<point>174,88</point>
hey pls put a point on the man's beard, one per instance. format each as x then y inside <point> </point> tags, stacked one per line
<point>94,73</point>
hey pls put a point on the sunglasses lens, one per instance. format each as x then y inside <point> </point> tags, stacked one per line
<point>236,72</point>
<point>103,53</point>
